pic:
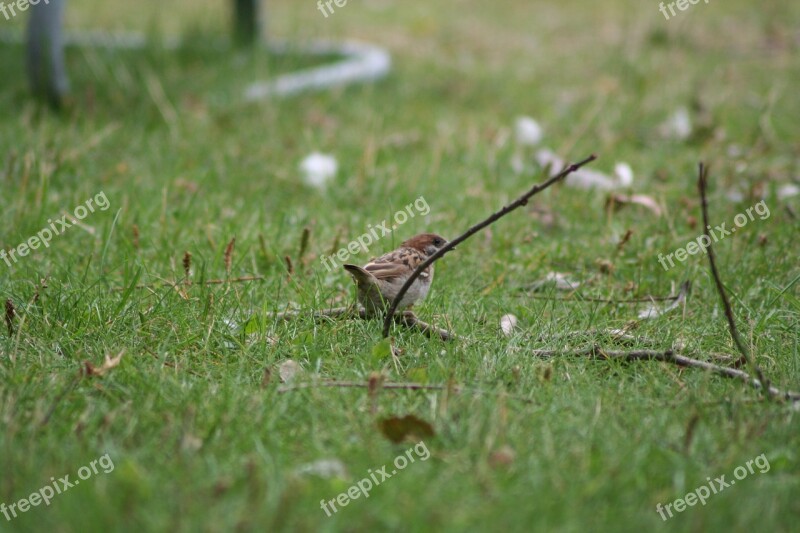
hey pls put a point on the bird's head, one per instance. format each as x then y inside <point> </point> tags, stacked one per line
<point>427,243</point>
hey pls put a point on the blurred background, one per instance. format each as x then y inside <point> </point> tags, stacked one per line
<point>480,97</point>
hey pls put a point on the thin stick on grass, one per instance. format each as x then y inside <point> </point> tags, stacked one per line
<point>395,386</point>
<point>175,284</point>
<point>751,363</point>
<point>408,319</point>
<point>669,356</point>
<point>360,385</point>
<point>519,202</point>
<point>587,299</point>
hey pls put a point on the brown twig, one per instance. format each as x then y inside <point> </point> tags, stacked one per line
<point>411,320</point>
<point>207,282</point>
<point>325,313</point>
<point>234,280</point>
<point>519,202</point>
<point>408,319</point>
<point>449,387</point>
<point>669,356</point>
<point>578,298</point>
<point>751,363</point>
<point>361,385</point>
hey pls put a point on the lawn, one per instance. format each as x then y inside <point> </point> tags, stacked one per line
<point>192,429</point>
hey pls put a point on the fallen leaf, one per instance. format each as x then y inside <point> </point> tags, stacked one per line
<point>288,370</point>
<point>507,324</point>
<point>318,169</point>
<point>409,427</point>
<point>325,468</point>
<point>734,195</point>
<point>527,131</point>
<point>108,364</point>
<point>624,174</point>
<point>11,312</point>
<point>617,201</point>
<point>503,456</point>
<point>678,125</point>
<point>191,443</point>
<point>558,280</point>
<point>624,240</point>
<point>586,178</point>
<point>186,185</point>
<point>787,191</point>
<point>605,266</point>
<point>655,311</point>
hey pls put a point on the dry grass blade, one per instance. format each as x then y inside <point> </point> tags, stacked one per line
<point>187,264</point>
<point>10,314</point>
<point>229,255</point>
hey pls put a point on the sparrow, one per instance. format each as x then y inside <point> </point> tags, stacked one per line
<point>379,281</point>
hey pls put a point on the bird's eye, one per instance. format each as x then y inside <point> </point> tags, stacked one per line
<point>438,242</point>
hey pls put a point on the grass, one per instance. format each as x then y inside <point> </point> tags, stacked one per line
<point>200,441</point>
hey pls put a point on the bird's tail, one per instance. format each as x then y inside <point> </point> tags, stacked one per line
<point>362,277</point>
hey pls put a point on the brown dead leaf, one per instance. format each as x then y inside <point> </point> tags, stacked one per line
<point>409,427</point>
<point>108,364</point>
<point>503,456</point>
<point>191,443</point>
<point>10,314</point>
<point>288,370</point>
<point>187,264</point>
<point>187,185</point>
<point>605,266</point>
<point>616,202</point>
<point>229,255</point>
<point>624,240</point>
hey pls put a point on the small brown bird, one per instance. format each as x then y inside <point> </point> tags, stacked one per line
<point>379,281</point>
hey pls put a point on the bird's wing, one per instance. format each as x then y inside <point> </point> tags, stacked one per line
<point>398,264</point>
<point>387,271</point>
